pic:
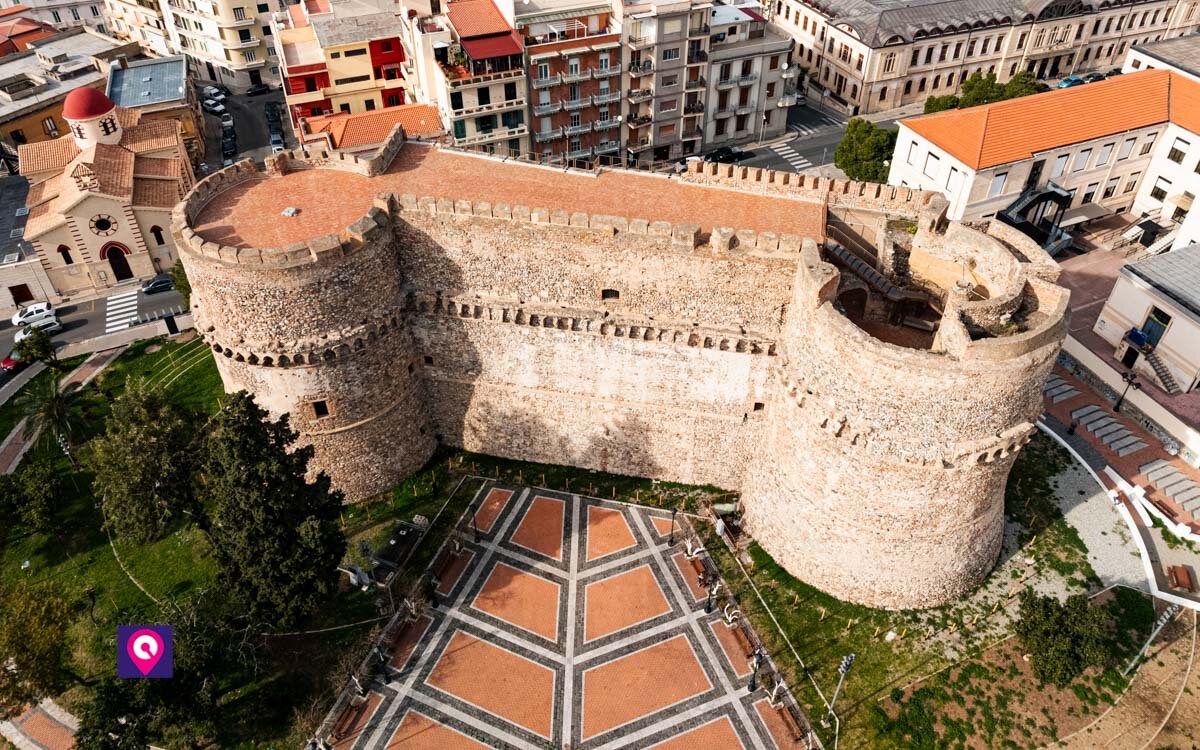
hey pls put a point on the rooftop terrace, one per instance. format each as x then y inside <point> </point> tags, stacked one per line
<point>249,214</point>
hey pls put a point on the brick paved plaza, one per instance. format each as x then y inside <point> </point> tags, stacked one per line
<point>571,623</point>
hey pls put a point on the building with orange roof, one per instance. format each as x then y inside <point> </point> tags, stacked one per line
<point>100,198</point>
<point>364,132</point>
<point>18,28</point>
<point>340,56</point>
<point>1126,144</point>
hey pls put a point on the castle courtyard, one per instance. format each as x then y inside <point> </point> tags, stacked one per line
<point>572,621</point>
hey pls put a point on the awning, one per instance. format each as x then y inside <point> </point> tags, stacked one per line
<point>481,48</point>
<point>1183,200</point>
<point>1081,214</point>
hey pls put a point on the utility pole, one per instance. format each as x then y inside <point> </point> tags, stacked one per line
<point>843,668</point>
<point>1131,381</point>
<point>671,539</point>
<point>1167,615</point>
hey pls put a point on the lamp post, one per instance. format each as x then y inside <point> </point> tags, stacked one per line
<point>843,668</point>
<point>756,657</point>
<point>1131,381</point>
<point>671,539</point>
<point>710,582</point>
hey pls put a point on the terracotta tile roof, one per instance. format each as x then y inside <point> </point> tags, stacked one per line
<point>113,166</point>
<point>42,219</point>
<point>1014,130</point>
<point>149,166</point>
<point>366,128</point>
<point>476,18</point>
<point>46,155</point>
<point>156,193</point>
<point>155,135</point>
<point>494,46</point>
<point>43,191</point>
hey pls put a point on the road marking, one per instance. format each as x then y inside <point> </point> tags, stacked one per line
<point>794,159</point>
<point>120,310</point>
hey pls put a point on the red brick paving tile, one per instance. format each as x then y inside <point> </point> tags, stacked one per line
<point>451,570</point>
<point>410,636</point>
<point>661,525</point>
<point>40,727</point>
<point>778,727</point>
<point>715,735</point>
<point>353,720</point>
<point>616,603</point>
<point>734,650</point>
<point>490,509</point>
<point>498,681</point>
<point>419,732</point>
<point>522,599</point>
<point>607,532</point>
<point>541,528</point>
<point>622,690</point>
<point>691,575</point>
<point>249,214</point>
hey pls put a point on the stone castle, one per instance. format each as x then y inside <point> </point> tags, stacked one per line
<point>860,370</point>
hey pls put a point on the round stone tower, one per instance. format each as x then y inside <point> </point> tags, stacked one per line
<point>313,329</point>
<point>884,456</point>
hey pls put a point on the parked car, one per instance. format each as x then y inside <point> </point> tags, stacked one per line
<point>212,106</point>
<point>229,148</point>
<point>226,120</point>
<point>11,362</point>
<point>1070,81</point>
<point>728,155</point>
<point>258,89</point>
<point>228,162</point>
<point>220,89</point>
<point>1113,72</point>
<point>276,143</point>
<point>214,93</point>
<point>49,325</point>
<point>31,312</point>
<point>158,284</point>
<point>1093,77</point>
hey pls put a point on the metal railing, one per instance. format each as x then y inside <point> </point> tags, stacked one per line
<point>609,98</point>
<point>580,103</point>
<point>606,147</point>
<point>638,42</point>
<point>482,109</point>
<point>491,135</point>
<point>697,57</point>
<point>547,109</point>
<point>690,134</point>
<point>640,95</point>
<point>694,108</point>
<point>605,124</point>
<point>700,30</point>
<point>541,83</point>
<point>583,153</point>
<point>639,120</point>
<point>542,136</point>
<point>605,72</point>
<point>726,83</point>
<point>576,77</point>
<point>579,129</point>
<point>748,78</point>
<point>641,67</point>
<point>695,83</point>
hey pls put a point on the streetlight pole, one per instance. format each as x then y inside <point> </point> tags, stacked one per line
<point>1130,382</point>
<point>843,668</point>
<point>671,539</point>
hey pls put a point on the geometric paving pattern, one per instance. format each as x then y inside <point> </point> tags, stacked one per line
<point>570,623</point>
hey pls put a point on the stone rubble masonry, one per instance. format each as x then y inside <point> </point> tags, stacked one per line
<point>640,347</point>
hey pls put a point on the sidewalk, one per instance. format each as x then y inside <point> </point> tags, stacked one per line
<point>45,726</point>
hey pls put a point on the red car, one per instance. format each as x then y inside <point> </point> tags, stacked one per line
<point>11,362</point>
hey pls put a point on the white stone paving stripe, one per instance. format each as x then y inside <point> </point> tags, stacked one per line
<point>568,693</point>
<point>632,739</point>
<point>469,720</point>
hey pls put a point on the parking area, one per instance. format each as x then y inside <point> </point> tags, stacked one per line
<point>249,123</point>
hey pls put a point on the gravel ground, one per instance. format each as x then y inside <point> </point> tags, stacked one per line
<point>1111,550</point>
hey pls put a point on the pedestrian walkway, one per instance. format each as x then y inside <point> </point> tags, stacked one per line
<point>823,124</point>
<point>1169,480</point>
<point>789,154</point>
<point>120,310</point>
<point>45,726</point>
<point>1108,429</point>
<point>1058,390</point>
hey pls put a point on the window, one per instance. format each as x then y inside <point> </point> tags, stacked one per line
<point>75,13</point>
<point>1110,188</point>
<point>954,180</point>
<point>931,165</point>
<point>57,18</point>
<point>460,129</point>
<point>669,80</point>
<point>912,152</point>
<point>244,35</point>
<point>95,11</point>
<point>350,79</point>
<point>1161,186</point>
<point>1147,146</point>
<point>984,47</point>
<point>1105,154</point>
<point>267,31</point>
<point>393,100</point>
<point>907,88</point>
<point>889,62</point>
<point>368,105</point>
<point>604,61</point>
<point>1178,150</point>
<point>239,14</point>
<point>928,55</point>
<point>957,50</point>
<point>485,123</point>
<point>921,85</point>
<point>511,119</point>
<point>997,186</point>
<point>936,81</point>
<point>344,106</point>
<point>159,238</point>
<point>336,55</point>
<point>50,127</point>
<point>1090,193</point>
<point>320,409</point>
<point>65,252</point>
<point>1060,166</point>
<point>606,294</point>
<point>1126,149</point>
<point>970,48</point>
<point>770,89</point>
<point>721,127</point>
<point>1081,161</point>
<point>742,122</point>
<point>774,64</point>
<point>252,56</point>
<point>356,52</point>
<point>670,54</point>
<point>264,8</point>
<point>1132,183</point>
<point>668,105</point>
<point>883,94</point>
<point>916,57</point>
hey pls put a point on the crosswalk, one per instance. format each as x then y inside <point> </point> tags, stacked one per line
<point>823,124</point>
<point>789,154</point>
<point>120,310</point>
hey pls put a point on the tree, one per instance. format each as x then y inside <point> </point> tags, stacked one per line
<point>1063,639</point>
<point>52,412</point>
<point>38,347</point>
<point>865,151</point>
<point>39,488</point>
<point>144,463</point>
<point>33,631</point>
<point>182,285</point>
<point>1022,84</point>
<point>980,89</point>
<point>275,535</point>
<point>940,103</point>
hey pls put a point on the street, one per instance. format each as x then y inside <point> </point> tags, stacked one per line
<point>815,135</point>
<point>250,123</point>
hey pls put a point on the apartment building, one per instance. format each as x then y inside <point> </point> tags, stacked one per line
<point>1181,54</point>
<point>748,77</point>
<point>340,56</point>
<point>1126,144</point>
<point>140,21</point>
<point>226,41</point>
<point>867,56</point>
<point>19,27</point>
<point>469,60</point>
<point>70,14</point>
<point>574,68</point>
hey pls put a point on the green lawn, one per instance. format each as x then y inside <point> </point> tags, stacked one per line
<point>8,411</point>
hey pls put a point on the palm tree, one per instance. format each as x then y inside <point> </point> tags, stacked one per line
<point>52,412</point>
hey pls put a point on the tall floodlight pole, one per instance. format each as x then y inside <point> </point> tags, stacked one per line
<point>843,668</point>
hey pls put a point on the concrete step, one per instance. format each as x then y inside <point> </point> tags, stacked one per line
<point>1064,396</point>
<point>1164,472</point>
<point>1177,487</point>
<point>1188,495</point>
<point>1191,506</point>
<point>1083,411</point>
<point>1095,419</point>
<point>1056,388</point>
<point>1107,429</point>
<point>1147,468</point>
<point>1052,382</point>
<point>1124,442</point>
<point>1131,448</point>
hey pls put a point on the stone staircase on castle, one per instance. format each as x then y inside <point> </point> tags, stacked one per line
<point>1058,390</point>
<point>1173,483</point>
<point>1108,429</point>
<point>1164,375</point>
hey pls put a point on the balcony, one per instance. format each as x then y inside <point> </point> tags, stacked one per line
<point>547,109</point>
<point>583,153</point>
<point>639,95</point>
<point>748,78</point>
<point>744,109</point>
<point>576,77</point>
<point>579,129</point>
<point>605,73</point>
<point>232,23</point>
<point>700,30</point>
<point>641,68</point>
<point>638,144</point>
<point>697,57</point>
<point>607,147</point>
<point>639,121</point>
<point>483,109</point>
<point>601,125</point>
<point>542,136</point>
<point>689,135</point>
<point>695,83</point>
<point>609,98</point>
<point>462,78</point>
<point>641,42</point>
<point>726,83</point>
<point>570,104</point>
<point>492,135</point>
<point>241,43</point>
<point>694,108</point>
<point>541,83</point>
